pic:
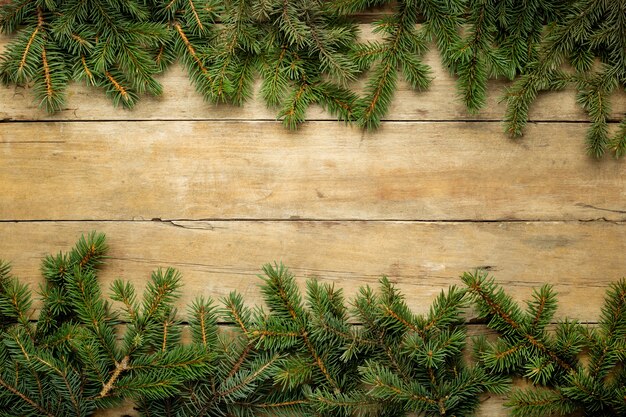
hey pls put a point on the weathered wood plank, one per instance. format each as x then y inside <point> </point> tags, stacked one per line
<point>579,258</point>
<point>180,101</point>
<point>257,170</point>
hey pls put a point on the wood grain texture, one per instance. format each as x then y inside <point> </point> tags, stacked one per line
<point>257,170</point>
<point>579,258</point>
<point>180,101</point>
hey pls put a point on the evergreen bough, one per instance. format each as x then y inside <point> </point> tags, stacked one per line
<point>413,364</point>
<point>68,362</point>
<point>306,52</point>
<point>591,38</point>
<point>107,44</point>
<point>315,354</point>
<point>574,369</point>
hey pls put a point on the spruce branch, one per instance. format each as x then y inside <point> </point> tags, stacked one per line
<point>471,66</point>
<point>590,30</point>
<point>505,316</point>
<point>73,364</point>
<point>400,49</point>
<point>32,403</point>
<point>303,355</point>
<point>562,383</point>
<point>417,365</point>
<point>285,303</point>
<point>307,61</point>
<point>618,143</point>
<point>106,44</point>
<point>501,40</point>
<point>593,96</point>
<point>307,53</point>
<point>119,368</point>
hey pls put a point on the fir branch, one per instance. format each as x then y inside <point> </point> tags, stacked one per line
<point>307,53</point>
<point>233,305</point>
<point>538,403</point>
<point>240,361</point>
<point>593,96</point>
<point>618,143</point>
<point>284,298</point>
<point>319,362</point>
<point>29,44</point>
<point>402,48</point>
<point>303,356</point>
<point>191,50</point>
<point>269,333</point>
<point>26,399</point>
<point>248,379</point>
<point>274,83</point>
<point>589,389</point>
<point>281,404</point>
<point>119,91</point>
<point>496,306</point>
<point>15,300</point>
<point>578,36</point>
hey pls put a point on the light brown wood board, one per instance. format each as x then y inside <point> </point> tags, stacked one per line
<point>257,170</point>
<point>580,259</point>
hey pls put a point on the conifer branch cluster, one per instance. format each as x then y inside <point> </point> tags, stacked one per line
<point>307,52</point>
<point>300,355</point>
<point>573,369</point>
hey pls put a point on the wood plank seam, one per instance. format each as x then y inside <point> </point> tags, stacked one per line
<point>175,222</point>
<point>611,121</point>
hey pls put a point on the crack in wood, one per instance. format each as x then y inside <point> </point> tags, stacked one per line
<point>600,208</point>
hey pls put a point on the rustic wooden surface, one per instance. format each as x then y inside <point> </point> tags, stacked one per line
<point>258,170</point>
<point>216,257</point>
<point>217,191</point>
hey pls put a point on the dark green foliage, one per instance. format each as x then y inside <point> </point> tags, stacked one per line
<point>301,355</point>
<point>400,49</point>
<point>502,37</point>
<point>69,361</point>
<point>591,38</point>
<point>414,363</point>
<point>312,332</point>
<point>306,60</point>
<point>306,52</point>
<point>573,368</point>
<point>190,25</point>
<point>106,43</point>
<point>277,362</point>
<point>240,381</point>
<point>392,364</point>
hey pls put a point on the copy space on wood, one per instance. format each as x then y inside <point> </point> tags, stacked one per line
<point>257,170</point>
